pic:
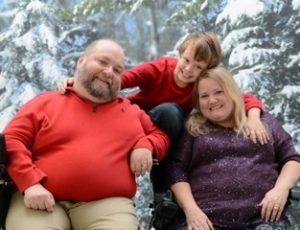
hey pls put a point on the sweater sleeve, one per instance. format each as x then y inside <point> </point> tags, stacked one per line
<point>252,102</point>
<point>141,75</point>
<point>155,139</point>
<point>282,141</point>
<point>19,133</point>
<point>179,160</point>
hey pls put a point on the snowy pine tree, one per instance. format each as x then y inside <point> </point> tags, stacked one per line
<point>29,53</point>
<point>260,42</point>
<point>37,51</point>
<point>261,45</point>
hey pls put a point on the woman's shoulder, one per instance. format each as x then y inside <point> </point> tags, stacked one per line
<point>268,117</point>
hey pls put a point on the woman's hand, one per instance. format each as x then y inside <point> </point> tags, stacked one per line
<point>273,204</point>
<point>197,220</point>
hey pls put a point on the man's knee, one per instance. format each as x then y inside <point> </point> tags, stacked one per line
<point>108,213</point>
<point>21,217</point>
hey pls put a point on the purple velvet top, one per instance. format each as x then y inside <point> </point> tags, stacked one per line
<point>229,175</point>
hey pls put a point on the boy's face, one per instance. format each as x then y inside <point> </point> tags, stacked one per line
<point>188,69</point>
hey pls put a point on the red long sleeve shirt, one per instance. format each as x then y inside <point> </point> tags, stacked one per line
<point>79,151</point>
<point>156,83</point>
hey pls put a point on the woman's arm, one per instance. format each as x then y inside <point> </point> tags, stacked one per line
<point>274,201</point>
<point>194,216</point>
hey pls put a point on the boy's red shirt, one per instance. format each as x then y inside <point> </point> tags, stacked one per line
<point>156,83</point>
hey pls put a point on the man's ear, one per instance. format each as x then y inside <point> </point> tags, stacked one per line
<point>80,59</point>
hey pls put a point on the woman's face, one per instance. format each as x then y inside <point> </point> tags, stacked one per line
<point>214,103</point>
<point>187,68</point>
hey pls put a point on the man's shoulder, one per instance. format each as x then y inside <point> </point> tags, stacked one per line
<point>41,100</point>
<point>127,104</point>
<point>48,95</point>
<point>125,101</point>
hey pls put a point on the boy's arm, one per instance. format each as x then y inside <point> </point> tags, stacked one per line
<point>143,75</point>
<point>255,128</point>
<point>251,102</point>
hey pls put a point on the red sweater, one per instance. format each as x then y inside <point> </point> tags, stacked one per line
<point>79,151</point>
<point>155,80</point>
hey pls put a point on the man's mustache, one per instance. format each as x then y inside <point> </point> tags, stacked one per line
<point>105,79</point>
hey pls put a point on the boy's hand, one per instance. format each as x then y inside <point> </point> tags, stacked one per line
<point>67,82</point>
<point>255,128</point>
<point>257,131</point>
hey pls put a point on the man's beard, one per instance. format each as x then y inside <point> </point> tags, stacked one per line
<point>99,91</point>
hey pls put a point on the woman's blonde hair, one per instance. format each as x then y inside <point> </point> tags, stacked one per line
<point>197,124</point>
<point>206,45</point>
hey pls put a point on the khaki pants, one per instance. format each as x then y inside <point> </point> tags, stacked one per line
<point>116,213</point>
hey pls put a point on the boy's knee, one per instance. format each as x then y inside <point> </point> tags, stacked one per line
<point>169,117</point>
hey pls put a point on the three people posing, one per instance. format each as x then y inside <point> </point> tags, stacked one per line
<point>165,91</point>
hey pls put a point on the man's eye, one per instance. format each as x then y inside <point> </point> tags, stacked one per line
<point>117,71</point>
<point>102,62</point>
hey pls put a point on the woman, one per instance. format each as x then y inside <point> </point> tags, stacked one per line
<point>221,179</point>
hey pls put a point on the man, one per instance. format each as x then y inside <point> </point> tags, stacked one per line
<point>73,157</point>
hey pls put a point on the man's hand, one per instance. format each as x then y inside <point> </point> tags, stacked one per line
<point>141,161</point>
<point>38,198</point>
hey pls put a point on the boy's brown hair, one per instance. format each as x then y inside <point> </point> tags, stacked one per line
<point>206,45</point>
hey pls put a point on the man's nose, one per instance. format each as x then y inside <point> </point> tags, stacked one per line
<point>109,71</point>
